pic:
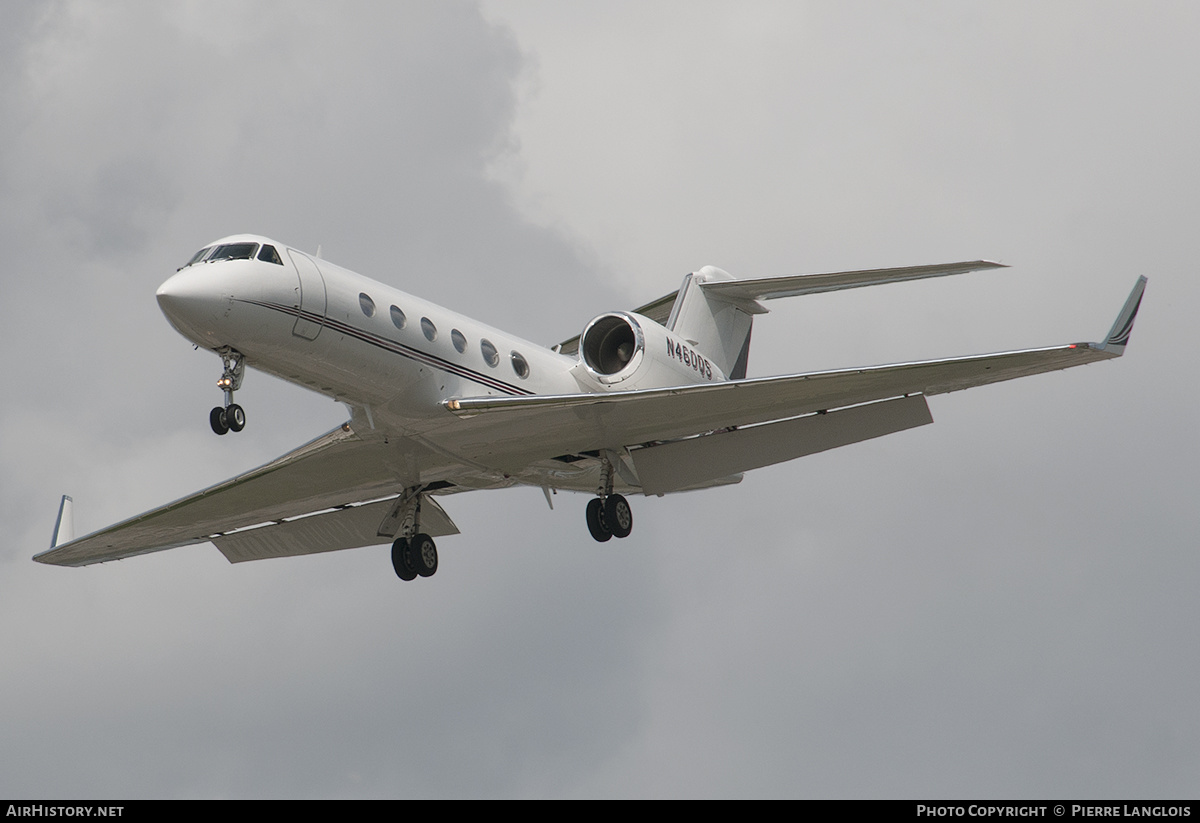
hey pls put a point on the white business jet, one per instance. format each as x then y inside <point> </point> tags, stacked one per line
<point>653,401</point>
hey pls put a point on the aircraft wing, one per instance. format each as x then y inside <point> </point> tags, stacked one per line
<point>586,422</point>
<point>336,472</point>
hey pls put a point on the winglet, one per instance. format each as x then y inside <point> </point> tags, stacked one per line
<point>1118,337</point>
<point>64,526</point>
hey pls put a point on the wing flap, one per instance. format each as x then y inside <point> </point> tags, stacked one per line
<point>348,528</point>
<point>668,467</point>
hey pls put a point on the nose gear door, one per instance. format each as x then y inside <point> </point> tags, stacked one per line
<point>310,296</point>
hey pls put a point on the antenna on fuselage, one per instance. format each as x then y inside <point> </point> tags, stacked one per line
<point>318,254</point>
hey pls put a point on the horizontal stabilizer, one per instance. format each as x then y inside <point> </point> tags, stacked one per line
<point>745,292</point>
<point>769,288</point>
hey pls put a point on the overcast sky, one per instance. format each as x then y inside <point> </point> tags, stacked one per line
<point>1002,604</point>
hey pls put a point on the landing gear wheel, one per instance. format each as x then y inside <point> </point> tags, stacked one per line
<point>595,521</point>
<point>402,559</point>
<point>618,517</point>
<point>229,417</point>
<point>424,555</point>
<point>235,417</point>
<point>218,421</point>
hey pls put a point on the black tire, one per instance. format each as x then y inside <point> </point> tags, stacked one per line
<point>216,419</point>
<point>424,555</point>
<point>618,517</point>
<point>595,521</point>
<point>235,417</point>
<point>402,559</point>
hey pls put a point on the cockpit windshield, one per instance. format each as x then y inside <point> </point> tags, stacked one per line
<point>198,256</point>
<point>235,251</point>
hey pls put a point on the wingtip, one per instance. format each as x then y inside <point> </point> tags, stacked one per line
<point>64,526</point>
<point>1118,336</point>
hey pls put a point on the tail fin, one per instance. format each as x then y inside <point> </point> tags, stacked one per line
<point>716,324</point>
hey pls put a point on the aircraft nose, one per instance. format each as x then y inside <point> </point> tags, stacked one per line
<point>193,306</point>
<point>180,296</point>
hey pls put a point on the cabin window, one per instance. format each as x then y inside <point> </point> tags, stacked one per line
<point>398,318</point>
<point>520,366</point>
<point>490,355</point>
<point>366,304</point>
<point>268,253</point>
<point>428,329</point>
<point>459,340</point>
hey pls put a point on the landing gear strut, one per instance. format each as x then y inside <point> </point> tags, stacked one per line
<point>229,417</point>
<point>608,514</point>
<point>414,554</point>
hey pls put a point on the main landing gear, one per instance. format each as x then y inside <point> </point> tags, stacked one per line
<point>415,557</point>
<point>608,514</point>
<point>229,417</point>
<point>609,517</point>
<point>414,554</point>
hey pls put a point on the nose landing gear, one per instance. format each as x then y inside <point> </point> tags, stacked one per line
<point>231,416</point>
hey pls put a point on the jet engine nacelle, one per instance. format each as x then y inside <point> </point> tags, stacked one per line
<point>628,351</point>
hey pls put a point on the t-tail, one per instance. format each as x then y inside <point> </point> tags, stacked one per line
<point>715,312</point>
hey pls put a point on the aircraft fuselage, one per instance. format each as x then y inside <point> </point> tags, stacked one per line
<point>354,339</point>
<point>395,358</point>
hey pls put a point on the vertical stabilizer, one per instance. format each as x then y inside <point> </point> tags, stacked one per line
<point>717,325</point>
